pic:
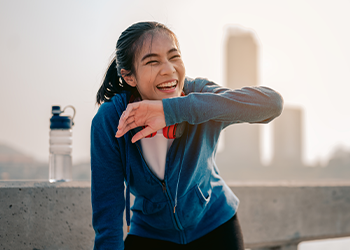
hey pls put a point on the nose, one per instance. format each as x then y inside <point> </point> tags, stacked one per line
<point>168,68</point>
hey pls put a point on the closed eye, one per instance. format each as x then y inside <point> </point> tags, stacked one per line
<point>151,62</point>
<point>176,56</point>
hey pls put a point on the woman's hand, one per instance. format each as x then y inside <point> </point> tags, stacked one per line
<point>144,113</point>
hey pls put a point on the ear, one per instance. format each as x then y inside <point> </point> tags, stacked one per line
<point>130,79</point>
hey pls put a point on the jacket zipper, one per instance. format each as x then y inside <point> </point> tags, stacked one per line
<point>161,181</point>
<point>163,186</point>
<point>165,190</point>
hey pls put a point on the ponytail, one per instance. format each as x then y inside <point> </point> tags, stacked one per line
<point>111,84</point>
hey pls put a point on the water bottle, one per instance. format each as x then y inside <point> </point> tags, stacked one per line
<point>60,163</point>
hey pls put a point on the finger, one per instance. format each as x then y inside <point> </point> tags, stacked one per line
<point>130,111</point>
<point>128,125</point>
<point>142,134</point>
<point>121,120</point>
<point>119,133</point>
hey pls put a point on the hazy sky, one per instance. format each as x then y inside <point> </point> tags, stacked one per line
<point>55,53</point>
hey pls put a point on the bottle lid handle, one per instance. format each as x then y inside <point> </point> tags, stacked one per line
<point>70,106</point>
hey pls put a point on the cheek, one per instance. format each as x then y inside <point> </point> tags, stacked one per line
<point>149,75</point>
<point>180,67</point>
<point>145,78</point>
<point>182,71</point>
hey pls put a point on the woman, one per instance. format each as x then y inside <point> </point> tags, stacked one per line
<point>157,131</point>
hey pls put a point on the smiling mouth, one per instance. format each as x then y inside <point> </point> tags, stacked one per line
<point>167,85</point>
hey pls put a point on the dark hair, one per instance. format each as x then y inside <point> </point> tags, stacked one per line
<point>128,45</point>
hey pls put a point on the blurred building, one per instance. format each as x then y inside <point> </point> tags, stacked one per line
<point>241,143</point>
<point>287,138</point>
<point>340,158</point>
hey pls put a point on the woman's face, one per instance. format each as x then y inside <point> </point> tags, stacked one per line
<point>160,72</point>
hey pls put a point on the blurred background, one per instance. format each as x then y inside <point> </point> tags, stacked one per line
<point>56,53</point>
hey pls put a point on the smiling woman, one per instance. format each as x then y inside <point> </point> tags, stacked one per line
<point>160,72</point>
<point>157,131</point>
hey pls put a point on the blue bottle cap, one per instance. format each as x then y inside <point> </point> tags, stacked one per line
<point>56,110</point>
<point>60,122</point>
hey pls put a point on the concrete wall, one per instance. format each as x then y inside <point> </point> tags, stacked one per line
<point>40,215</point>
<point>284,214</point>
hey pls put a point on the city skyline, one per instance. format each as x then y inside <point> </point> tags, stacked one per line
<point>56,54</point>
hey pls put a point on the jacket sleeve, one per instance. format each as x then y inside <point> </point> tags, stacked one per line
<point>206,101</point>
<point>107,185</point>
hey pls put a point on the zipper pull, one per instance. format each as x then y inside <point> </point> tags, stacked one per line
<point>174,208</point>
<point>164,186</point>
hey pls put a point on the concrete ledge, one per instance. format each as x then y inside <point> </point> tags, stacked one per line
<point>39,215</point>
<point>286,213</point>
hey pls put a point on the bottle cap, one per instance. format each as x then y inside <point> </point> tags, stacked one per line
<point>61,122</point>
<point>56,110</point>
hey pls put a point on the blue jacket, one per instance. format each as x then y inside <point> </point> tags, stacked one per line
<point>193,199</point>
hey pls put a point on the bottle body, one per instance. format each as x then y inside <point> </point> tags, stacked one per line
<point>60,162</point>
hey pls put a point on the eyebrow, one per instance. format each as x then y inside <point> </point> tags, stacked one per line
<point>154,54</point>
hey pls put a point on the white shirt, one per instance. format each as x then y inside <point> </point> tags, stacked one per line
<point>154,151</point>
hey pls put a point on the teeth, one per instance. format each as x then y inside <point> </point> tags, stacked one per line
<point>167,84</point>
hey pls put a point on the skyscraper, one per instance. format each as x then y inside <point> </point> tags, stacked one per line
<point>241,144</point>
<point>287,138</point>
